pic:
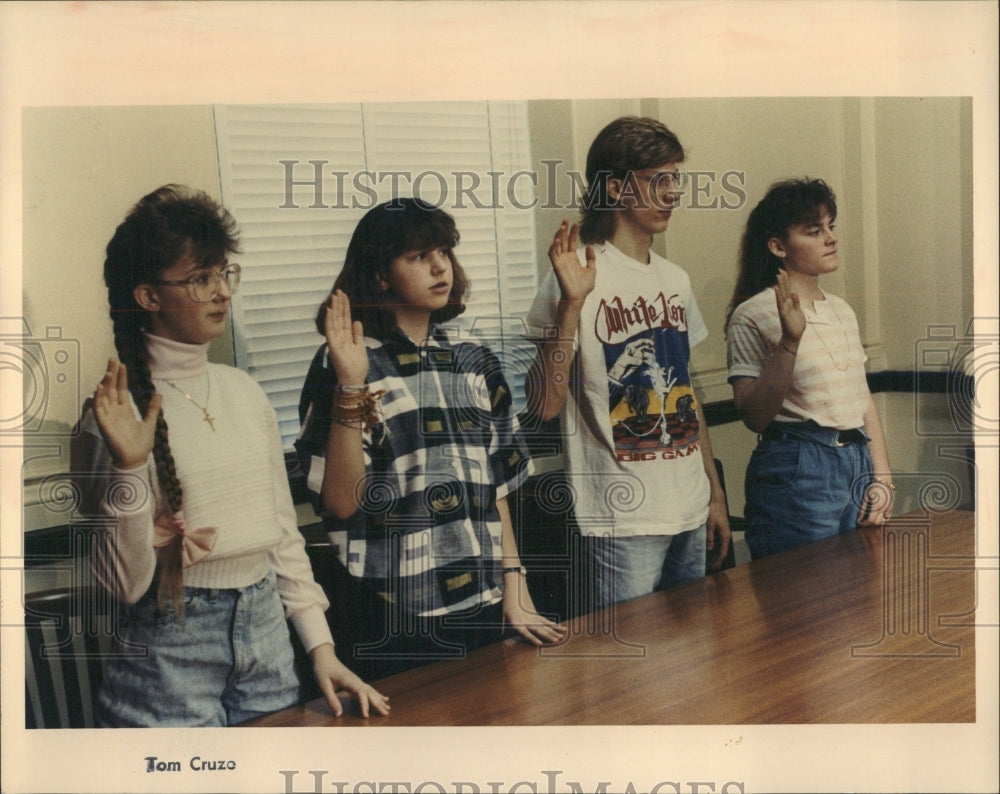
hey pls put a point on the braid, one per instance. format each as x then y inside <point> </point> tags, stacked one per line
<point>165,467</point>
<point>130,344</point>
<point>171,569</point>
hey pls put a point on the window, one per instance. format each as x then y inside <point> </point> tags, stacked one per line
<point>298,179</point>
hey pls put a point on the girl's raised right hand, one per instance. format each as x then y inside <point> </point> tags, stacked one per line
<point>576,280</point>
<point>129,440</point>
<point>345,341</point>
<point>793,319</point>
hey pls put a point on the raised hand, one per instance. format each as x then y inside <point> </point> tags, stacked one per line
<point>576,280</point>
<point>345,341</point>
<point>129,440</point>
<point>793,319</point>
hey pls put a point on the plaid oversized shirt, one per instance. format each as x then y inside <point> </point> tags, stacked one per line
<point>447,446</point>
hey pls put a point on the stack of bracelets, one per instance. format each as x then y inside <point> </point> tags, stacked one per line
<point>355,406</point>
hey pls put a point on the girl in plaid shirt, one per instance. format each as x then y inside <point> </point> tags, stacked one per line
<point>412,446</point>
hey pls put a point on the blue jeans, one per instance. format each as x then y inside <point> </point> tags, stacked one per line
<point>629,567</point>
<point>802,485</point>
<point>228,661</point>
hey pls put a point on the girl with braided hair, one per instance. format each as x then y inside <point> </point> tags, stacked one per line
<point>183,459</point>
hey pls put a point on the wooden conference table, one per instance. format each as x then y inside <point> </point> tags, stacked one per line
<point>870,626</point>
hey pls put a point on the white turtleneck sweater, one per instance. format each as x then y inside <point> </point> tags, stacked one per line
<point>233,478</point>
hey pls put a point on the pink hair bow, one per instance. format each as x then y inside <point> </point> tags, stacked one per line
<point>195,543</point>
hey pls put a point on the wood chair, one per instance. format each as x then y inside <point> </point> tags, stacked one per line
<point>68,635</point>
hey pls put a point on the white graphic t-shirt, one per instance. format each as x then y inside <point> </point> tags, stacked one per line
<point>630,431</point>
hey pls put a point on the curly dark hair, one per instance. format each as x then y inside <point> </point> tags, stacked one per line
<point>787,203</point>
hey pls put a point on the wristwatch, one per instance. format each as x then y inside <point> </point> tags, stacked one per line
<point>515,569</point>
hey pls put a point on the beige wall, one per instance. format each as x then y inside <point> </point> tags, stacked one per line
<point>924,194</point>
<point>901,169</point>
<point>84,168</point>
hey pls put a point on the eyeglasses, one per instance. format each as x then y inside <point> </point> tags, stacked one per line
<point>674,181</point>
<point>203,286</point>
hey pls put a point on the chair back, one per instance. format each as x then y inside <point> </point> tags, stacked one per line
<point>69,633</point>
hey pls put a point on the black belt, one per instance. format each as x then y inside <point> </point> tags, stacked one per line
<point>810,431</point>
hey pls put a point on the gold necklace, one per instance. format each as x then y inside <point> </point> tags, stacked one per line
<point>847,341</point>
<point>204,408</point>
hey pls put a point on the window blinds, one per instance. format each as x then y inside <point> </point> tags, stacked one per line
<point>298,178</point>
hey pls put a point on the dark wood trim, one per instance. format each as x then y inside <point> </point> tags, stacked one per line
<point>49,545</point>
<point>721,412</point>
<point>957,384</point>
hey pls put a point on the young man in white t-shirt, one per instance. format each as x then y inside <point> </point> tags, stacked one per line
<point>614,330</point>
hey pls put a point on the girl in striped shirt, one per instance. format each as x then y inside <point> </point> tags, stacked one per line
<point>797,368</point>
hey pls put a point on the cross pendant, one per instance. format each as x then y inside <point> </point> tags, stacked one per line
<point>209,418</point>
